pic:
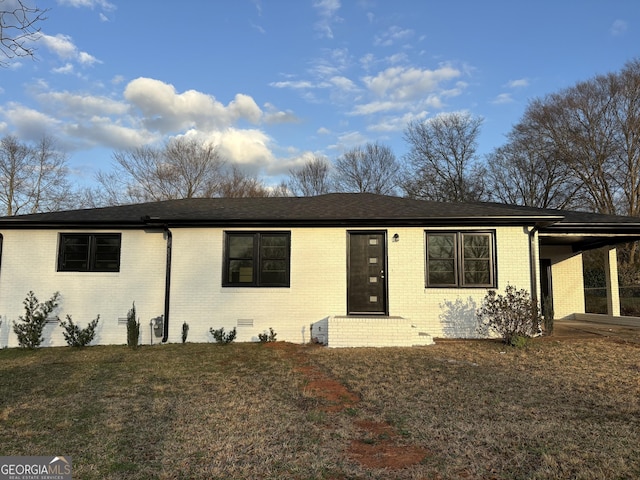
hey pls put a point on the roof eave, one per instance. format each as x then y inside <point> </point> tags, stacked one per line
<point>159,222</point>
<point>355,222</point>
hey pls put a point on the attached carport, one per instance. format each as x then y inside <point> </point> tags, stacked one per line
<point>561,244</point>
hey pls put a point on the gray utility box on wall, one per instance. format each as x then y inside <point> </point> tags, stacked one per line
<point>158,326</point>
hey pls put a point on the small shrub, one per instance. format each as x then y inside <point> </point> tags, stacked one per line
<point>519,341</point>
<point>29,332</point>
<point>185,332</point>
<point>223,338</point>
<point>267,337</point>
<point>133,328</point>
<point>76,336</point>
<point>510,315</point>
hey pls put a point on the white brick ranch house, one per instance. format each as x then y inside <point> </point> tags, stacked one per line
<point>345,269</point>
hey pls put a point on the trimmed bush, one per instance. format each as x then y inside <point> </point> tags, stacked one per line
<point>267,337</point>
<point>223,338</point>
<point>76,336</point>
<point>36,314</point>
<point>133,328</point>
<point>185,332</point>
<point>512,315</point>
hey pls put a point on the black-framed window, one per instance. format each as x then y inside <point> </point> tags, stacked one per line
<point>89,252</point>
<point>460,259</point>
<point>257,259</point>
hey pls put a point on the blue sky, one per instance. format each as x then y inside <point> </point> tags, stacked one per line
<point>273,82</point>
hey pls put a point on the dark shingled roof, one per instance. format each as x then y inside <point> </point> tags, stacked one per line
<point>338,209</point>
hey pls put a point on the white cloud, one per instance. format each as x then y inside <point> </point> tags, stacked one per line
<point>81,106</point>
<point>28,123</point>
<point>86,59</point>
<point>502,99</point>
<point>619,27</point>
<point>101,131</point>
<point>248,147</point>
<point>397,58</point>
<point>66,69</point>
<point>104,4</point>
<point>60,44</point>
<point>168,111</point>
<point>375,107</point>
<point>343,83</point>
<point>258,28</point>
<point>63,46</point>
<point>519,83</point>
<point>274,116</point>
<point>392,36</point>
<point>244,107</point>
<point>327,12</point>
<point>367,61</point>
<point>397,123</point>
<point>296,85</point>
<point>349,140</point>
<point>409,83</point>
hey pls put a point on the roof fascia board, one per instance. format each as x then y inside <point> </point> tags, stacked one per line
<point>372,221</point>
<point>592,229</point>
<point>72,225</point>
<point>146,222</point>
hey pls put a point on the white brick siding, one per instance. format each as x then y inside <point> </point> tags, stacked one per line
<point>29,262</point>
<point>568,280</point>
<point>317,293</point>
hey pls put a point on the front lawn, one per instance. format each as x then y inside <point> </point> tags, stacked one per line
<point>457,409</point>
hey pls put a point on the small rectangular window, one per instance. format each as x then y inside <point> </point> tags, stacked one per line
<point>93,252</point>
<point>457,259</point>
<point>257,259</point>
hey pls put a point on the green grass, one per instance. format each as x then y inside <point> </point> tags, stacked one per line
<point>558,409</point>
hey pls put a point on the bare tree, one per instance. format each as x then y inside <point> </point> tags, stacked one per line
<point>442,159</point>
<point>590,135</point>
<point>576,121</point>
<point>238,184</point>
<point>594,130</point>
<point>184,168</point>
<point>313,178</point>
<point>18,28</point>
<point>372,168</point>
<point>33,178</point>
<point>527,170</point>
<point>626,114</point>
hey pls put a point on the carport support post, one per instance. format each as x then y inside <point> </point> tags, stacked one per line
<point>613,290</point>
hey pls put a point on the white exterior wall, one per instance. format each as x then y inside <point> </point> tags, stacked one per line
<point>567,280</point>
<point>317,292</point>
<point>449,312</point>
<point>318,288</point>
<point>29,262</point>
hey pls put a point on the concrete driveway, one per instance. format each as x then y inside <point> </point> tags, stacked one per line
<point>589,329</point>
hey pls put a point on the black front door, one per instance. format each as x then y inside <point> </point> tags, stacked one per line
<point>367,278</point>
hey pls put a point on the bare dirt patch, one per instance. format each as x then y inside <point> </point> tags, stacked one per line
<point>379,445</point>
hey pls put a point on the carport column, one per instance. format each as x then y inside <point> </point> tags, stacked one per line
<point>613,290</point>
